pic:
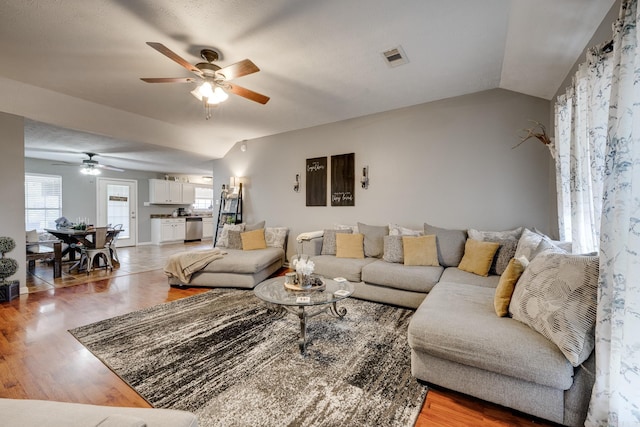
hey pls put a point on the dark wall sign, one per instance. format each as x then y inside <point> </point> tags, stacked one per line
<point>343,180</point>
<point>317,181</point>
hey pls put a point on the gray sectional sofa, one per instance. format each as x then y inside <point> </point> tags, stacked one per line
<point>457,341</point>
<point>25,412</point>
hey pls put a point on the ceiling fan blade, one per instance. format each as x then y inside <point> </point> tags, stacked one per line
<point>111,168</point>
<point>247,93</point>
<point>167,79</point>
<point>175,57</point>
<point>66,164</point>
<point>238,69</point>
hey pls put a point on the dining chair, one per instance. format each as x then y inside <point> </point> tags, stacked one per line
<point>117,229</point>
<point>100,248</point>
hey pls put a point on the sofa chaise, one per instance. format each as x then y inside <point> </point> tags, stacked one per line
<point>242,267</point>
<point>456,338</point>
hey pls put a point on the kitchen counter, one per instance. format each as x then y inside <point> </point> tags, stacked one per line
<point>184,216</point>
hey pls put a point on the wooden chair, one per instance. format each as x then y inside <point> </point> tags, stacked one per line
<point>117,229</point>
<point>42,250</point>
<point>100,249</point>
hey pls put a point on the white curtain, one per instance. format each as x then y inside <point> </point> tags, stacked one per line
<point>616,394</point>
<point>581,129</point>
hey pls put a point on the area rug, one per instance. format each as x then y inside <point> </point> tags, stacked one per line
<point>234,361</point>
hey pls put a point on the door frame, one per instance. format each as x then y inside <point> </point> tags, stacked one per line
<point>101,199</point>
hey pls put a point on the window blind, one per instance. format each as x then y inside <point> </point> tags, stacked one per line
<point>42,201</point>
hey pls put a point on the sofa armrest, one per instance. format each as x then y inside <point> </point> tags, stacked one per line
<point>310,247</point>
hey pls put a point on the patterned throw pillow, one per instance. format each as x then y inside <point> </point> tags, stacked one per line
<point>276,236</point>
<point>505,253</point>
<point>527,243</point>
<point>234,241</point>
<point>396,230</point>
<point>223,241</point>
<point>329,241</point>
<point>495,235</point>
<point>556,296</point>
<point>393,250</point>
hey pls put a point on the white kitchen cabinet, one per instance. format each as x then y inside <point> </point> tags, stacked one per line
<point>207,228</point>
<point>162,191</point>
<point>188,194</point>
<point>166,230</point>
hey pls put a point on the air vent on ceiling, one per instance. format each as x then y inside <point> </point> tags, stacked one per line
<point>395,56</point>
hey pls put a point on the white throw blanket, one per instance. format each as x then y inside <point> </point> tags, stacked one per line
<point>308,235</point>
<point>184,264</point>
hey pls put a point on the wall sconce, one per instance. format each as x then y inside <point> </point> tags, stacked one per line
<point>234,184</point>
<point>296,184</point>
<point>243,146</point>
<point>365,177</point>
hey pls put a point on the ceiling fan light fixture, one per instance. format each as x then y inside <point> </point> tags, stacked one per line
<point>212,96</point>
<point>89,170</point>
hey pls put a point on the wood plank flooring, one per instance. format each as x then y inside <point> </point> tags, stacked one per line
<point>39,359</point>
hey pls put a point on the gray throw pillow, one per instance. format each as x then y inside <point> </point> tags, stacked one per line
<point>373,239</point>
<point>234,241</point>
<point>256,226</point>
<point>329,241</point>
<point>450,244</point>
<point>393,249</point>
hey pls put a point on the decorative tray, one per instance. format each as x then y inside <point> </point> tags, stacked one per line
<point>317,284</point>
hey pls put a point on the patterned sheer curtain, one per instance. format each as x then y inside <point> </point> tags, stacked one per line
<point>616,393</point>
<point>581,117</point>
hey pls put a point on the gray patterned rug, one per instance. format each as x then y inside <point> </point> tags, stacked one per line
<point>225,356</point>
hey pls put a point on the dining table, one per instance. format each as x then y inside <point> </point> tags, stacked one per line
<point>77,239</point>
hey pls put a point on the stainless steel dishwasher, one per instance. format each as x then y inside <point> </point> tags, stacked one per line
<point>194,228</point>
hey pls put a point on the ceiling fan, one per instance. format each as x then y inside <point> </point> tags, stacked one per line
<point>214,80</point>
<point>90,166</point>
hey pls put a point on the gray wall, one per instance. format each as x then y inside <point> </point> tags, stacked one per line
<point>12,190</point>
<point>79,192</point>
<point>449,163</point>
<point>602,34</point>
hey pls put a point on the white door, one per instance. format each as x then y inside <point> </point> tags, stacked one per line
<point>117,204</point>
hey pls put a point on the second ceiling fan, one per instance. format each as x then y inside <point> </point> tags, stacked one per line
<point>214,80</point>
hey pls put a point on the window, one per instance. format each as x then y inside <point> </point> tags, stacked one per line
<point>204,199</point>
<point>42,201</point>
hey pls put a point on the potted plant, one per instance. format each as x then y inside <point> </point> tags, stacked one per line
<point>9,289</point>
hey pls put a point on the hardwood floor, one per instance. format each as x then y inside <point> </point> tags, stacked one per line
<point>39,359</point>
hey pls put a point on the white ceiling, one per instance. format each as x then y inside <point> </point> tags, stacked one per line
<point>76,64</point>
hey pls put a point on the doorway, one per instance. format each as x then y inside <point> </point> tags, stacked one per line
<point>118,204</point>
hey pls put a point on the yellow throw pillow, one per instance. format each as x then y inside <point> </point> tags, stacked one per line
<point>505,288</point>
<point>420,250</point>
<point>478,256</point>
<point>349,245</point>
<point>253,239</point>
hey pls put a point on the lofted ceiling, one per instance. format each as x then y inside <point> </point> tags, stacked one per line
<point>73,67</point>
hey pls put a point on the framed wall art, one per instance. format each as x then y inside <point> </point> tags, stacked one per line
<point>343,180</point>
<point>316,182</point>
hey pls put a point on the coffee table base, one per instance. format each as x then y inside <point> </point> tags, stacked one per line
<point>304,314</point>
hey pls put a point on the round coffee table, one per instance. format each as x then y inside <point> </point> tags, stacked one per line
<point>300,302</point>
